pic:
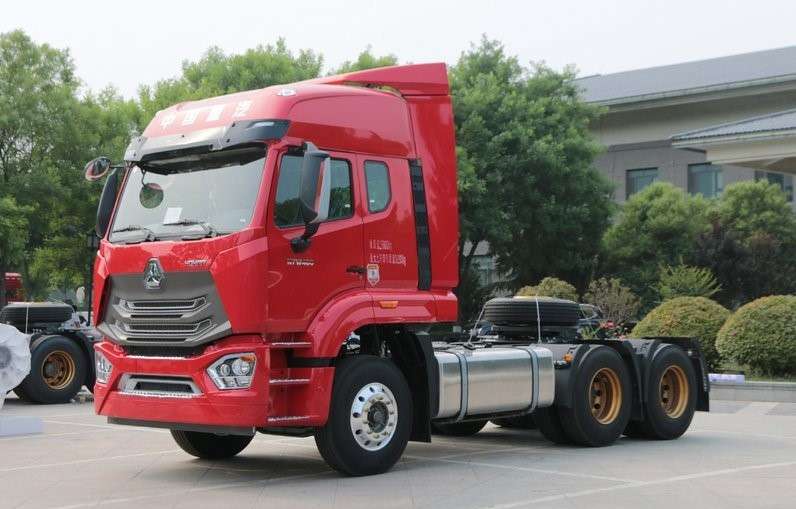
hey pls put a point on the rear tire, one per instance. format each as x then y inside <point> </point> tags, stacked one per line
<point>671,394</point>
<point>458,429</point>
<point>57,371</point>
<point>210,446</point>
<point>370,417</point>
<point>601,399</point>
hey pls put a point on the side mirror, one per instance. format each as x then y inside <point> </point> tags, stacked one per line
<point>106,203</point>
<point>97,168</point>
<point>314,193</point>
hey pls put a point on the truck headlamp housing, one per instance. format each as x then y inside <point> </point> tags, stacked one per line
<point>233,371</point>
<point>104,368</point>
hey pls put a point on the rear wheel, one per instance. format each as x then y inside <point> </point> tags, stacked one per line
<point>601,399</point>
<point>57,371</point>
<point>210,446</point>
<point>370,417</point>
<point>458,429</point>
<point>671,394</point>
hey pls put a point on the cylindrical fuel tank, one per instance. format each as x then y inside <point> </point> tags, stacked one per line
<point>483,381</point>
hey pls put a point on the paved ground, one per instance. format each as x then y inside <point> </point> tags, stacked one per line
<point>741,455</point>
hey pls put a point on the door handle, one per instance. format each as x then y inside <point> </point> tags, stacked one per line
<point>355,270</point>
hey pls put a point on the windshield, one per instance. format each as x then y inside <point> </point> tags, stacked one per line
<point>213,196</point>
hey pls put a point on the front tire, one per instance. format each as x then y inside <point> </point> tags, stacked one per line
<point>370,417</point>
<point>210,446</point>
<point>57,371</point>
<point>601,399</point>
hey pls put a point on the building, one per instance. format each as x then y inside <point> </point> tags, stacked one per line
<point>699,125</point>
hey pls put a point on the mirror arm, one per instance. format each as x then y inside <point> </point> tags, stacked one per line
<point>303,242</point>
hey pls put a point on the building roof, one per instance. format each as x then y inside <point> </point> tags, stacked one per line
<point>703,76</point>
<point>773,124</point>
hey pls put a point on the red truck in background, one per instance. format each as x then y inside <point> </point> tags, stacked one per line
<point>15,291</point>
<point>272,263</point>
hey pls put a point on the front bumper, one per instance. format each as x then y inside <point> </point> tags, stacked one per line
<point>179,391</point>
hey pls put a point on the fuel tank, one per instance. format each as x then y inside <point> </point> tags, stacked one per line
<point>477,380</point>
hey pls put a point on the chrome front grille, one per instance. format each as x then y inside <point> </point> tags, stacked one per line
<point>162,306</point>
<point>185,312</point>
<point>170,330</point>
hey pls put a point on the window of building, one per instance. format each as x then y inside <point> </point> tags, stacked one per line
<point>785,182</point>
<point>639,179</point>
<point>286,210</point>
<point>377,180</point>
<point>705,179</point>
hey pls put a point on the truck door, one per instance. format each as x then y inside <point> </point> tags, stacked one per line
<point>389,227</point>
<point>300,283</point>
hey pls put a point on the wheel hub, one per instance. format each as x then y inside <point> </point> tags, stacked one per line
<point>374,415</point>
<point>58,370</point>
<point>606,396</point>
<point>673,392</point>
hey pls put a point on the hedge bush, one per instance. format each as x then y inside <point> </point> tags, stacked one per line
<point>762,335</point>
<point>550,287</point>
<point>687,316</point>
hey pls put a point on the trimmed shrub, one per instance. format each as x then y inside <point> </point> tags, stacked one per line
<point>687,316</point>
<point>762,335</point>
<point>550,287</point>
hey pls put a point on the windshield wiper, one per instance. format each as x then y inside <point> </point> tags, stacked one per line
<point>149,235</point>
<point>207,228</point>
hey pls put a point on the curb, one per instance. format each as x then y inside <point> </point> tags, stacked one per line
<point>780,392</point>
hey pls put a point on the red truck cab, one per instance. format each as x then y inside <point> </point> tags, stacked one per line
<point>223,309</point>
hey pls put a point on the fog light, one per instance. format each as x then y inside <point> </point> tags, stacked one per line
<point>233,371</point>
<point>104,368</point>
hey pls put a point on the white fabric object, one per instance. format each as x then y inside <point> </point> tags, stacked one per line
<point>14,359</point>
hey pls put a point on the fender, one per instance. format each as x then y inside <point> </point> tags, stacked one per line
<point>349,311</point>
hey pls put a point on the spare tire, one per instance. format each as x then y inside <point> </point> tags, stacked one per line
<point>20,313</point>
<point>531,311</point>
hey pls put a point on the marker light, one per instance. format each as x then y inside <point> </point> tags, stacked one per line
<point>233,371</point>
<point>104,368</point>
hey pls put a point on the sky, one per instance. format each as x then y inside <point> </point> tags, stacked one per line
<point>128,44</point>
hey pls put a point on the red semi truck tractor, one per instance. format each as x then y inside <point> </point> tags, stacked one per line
<point>273,260</point>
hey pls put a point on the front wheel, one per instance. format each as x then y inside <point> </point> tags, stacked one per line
<point>210,446</point>
<point>370,417</point>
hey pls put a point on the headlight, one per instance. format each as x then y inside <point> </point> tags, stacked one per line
<point>104,368</point>
<point>233,371</point>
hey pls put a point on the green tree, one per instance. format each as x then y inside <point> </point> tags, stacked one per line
<point>39,130</point>
<point>749,244</point>
<point>686,281</point>
<point>657,227</point>
<point>527,186</point>
<point>617,302</point>
<point>13,238</point>
<point>366,60</point>
<point>218,74</point>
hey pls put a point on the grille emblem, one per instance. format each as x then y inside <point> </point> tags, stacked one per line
<point>153,275</point>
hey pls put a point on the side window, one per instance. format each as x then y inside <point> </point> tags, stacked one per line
<point>377,179</point>
<point>286,209</point>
